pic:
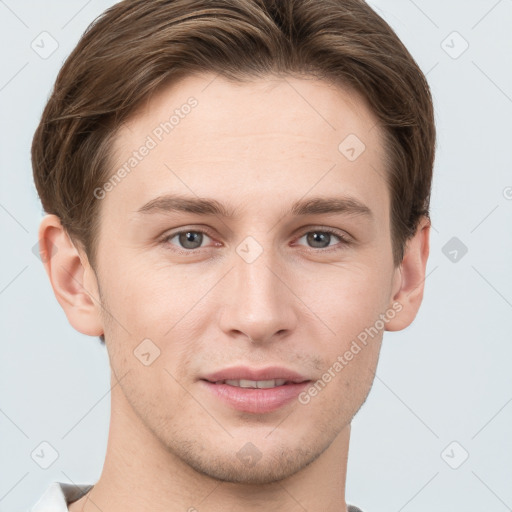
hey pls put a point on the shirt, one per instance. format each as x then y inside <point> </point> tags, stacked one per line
<point>59,495</point>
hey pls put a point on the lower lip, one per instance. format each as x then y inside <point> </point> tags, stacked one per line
<point>256,401</point>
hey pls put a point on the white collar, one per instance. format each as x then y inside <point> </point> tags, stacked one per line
<point>59,495</point>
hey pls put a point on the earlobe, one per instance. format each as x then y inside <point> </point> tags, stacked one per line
<point>409,279</point>
<point>73,280</point>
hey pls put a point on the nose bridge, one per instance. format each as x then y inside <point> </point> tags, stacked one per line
<point>259,305</point>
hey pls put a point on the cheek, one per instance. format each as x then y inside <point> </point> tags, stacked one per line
<point>350,302</point>
<point>347,298</point>
<point>156,300</point>
<point>147,297</point>
<point>160,312</point>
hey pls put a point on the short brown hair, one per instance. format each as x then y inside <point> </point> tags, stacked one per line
<point>137,46</point>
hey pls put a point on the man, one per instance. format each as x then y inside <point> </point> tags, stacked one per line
<point>237,195</point>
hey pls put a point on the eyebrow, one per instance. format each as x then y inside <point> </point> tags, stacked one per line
<point>205,206</point>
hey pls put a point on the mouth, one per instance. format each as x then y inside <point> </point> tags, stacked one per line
<point>255,390</point>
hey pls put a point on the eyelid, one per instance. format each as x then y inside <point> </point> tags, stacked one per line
<point>326,229</point>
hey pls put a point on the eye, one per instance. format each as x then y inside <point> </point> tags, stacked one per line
<point>189,240</point>
<point>322,238</point>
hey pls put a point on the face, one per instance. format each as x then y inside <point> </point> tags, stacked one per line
<point>287,265</point>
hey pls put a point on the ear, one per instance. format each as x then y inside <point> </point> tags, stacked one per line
<point>409,278</point>
<point>73,280</point>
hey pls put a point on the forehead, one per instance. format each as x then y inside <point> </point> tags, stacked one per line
<point>265,139</point>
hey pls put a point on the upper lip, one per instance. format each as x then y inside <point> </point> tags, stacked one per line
<point>247,373</point>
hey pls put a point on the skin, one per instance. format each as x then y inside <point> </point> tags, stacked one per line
<point>255,147</point>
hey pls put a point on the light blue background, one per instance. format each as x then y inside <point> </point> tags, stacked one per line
<point>446,378</point>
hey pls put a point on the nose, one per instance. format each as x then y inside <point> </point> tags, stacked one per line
<point>258,304</point>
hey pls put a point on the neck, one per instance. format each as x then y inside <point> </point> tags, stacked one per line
<point>141,473</point>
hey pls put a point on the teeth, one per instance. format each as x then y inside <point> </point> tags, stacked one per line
<point>260,384</point>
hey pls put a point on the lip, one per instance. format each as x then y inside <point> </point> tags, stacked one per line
<point>247,373</point>
<point>255,401</point>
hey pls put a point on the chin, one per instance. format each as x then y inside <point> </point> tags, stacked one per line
<point>249,461</point>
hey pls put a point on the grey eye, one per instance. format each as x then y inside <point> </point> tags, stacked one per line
<point>190,239</point>
<point>319,239</point>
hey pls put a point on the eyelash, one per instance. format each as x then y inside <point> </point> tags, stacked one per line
<point>344,240</point>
